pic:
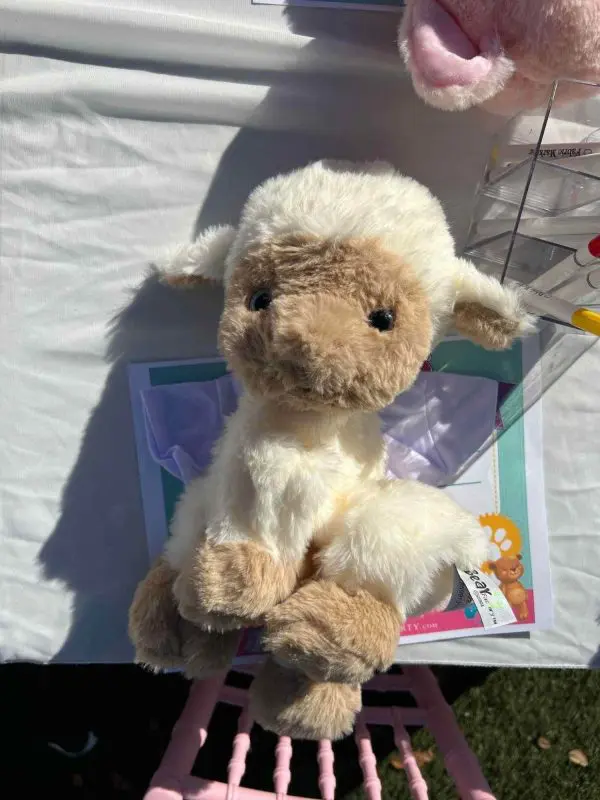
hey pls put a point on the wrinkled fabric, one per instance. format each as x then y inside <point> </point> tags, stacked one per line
<point>183,422</point>
<point>430,431</point>
<point>435,427</point>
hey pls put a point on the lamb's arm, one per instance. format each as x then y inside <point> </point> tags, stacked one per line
<point>231,569</point>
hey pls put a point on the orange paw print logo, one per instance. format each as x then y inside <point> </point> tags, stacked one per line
<point>504,537</point>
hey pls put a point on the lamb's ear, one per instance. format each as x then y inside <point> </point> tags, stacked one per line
<point>200,260</point>
<point>488,312</point>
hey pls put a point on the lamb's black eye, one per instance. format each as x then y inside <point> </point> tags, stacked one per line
<point>382,319</point>
<point>260,300</point>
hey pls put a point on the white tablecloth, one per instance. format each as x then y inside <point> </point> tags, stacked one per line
<point>123,127</point>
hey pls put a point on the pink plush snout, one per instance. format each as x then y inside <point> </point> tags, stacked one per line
<point>504,54</point>
<point>450,70</point>
<point>442,52</point>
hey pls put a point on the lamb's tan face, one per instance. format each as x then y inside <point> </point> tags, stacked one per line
<point>321,323</point>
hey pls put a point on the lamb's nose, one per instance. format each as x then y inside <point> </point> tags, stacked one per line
<point>316,326</point>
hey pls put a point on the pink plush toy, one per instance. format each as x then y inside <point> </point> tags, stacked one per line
<point>504,53</point>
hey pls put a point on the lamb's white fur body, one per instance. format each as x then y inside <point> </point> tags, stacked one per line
<point>289,481</point>
<point>277,479</point>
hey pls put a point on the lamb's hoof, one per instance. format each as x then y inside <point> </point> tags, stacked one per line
<point>290,704</point>
<point>155,626</point>
<point>164,640</point>
<point>231,586</point>
<point>206,653</point>
<point>331,635</point>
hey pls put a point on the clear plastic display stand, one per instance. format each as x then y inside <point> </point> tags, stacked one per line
<point>538,202</point>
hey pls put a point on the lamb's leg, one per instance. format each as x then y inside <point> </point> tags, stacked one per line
<point>154,622</point>
<point>324,642</point>
<point>392,547</point>
<point>385,559</point>
<point>164,640</point>
<point>330,634</point>
<point>229,586</point>
<point>289,703</point>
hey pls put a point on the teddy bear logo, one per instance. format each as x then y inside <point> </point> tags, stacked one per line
<point>509,570</point>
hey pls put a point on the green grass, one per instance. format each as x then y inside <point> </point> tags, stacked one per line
<point>502,720</point>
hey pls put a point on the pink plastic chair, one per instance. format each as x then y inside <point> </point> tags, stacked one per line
<point>172,780</point>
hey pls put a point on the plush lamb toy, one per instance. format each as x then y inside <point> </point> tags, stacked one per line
<point>338,281</point>
<point>508,52</point>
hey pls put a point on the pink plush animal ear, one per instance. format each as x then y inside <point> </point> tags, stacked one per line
<point>487,312</point>
<point>201,260</point>
<point>449,70</point>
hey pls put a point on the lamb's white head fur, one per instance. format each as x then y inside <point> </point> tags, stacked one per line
<point>341,200</point>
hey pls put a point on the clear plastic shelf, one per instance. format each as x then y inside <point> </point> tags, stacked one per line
<point>538,202</point>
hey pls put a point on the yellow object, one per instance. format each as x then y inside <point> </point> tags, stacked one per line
<point>512,535</point>
<point>587,320</point>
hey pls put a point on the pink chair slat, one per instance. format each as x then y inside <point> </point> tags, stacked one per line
<point>282,774</point>
<point>233,696</point>
<point>237,762</point>
<point>367,760</point>
<point>413,717</point>
<point>388,683</point>
<point>460,761</point>
<point>190,731</point>
<point>326,774</point>
<point>416,782</point>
